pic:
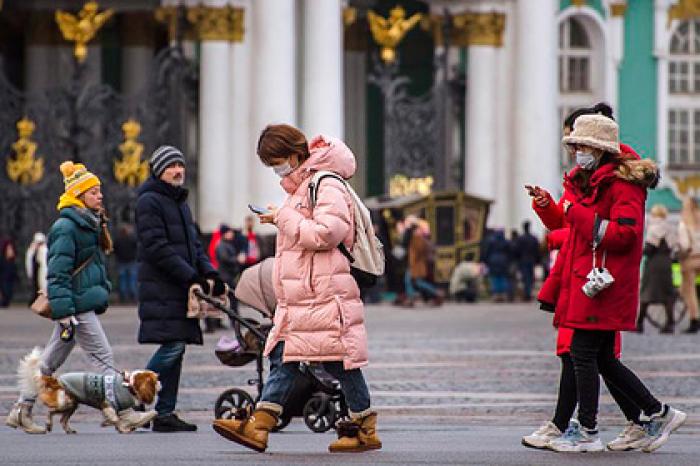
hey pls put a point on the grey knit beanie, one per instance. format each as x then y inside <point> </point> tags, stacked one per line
<point>163,157</point>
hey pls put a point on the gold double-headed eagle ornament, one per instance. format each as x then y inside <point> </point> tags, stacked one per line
<point>81,29</point>
<point>389,32</point>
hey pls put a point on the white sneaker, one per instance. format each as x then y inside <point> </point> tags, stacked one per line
<point>661,427</point>
<point>577,440</point>
<point>542,436</point>
<point>633,436</point>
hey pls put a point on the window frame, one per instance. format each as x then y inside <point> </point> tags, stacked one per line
<point>682,111</point>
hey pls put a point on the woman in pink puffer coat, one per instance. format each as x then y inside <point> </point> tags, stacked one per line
<point>319,315</point>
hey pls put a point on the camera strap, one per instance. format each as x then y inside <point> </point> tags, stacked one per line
<point>605,255</point>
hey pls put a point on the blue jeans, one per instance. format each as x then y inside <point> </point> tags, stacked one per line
<point>408,284</point>
<point>426,287</point>
<point>282,375</point>
<point>167,363</point>
<point>499,284</point>
<point>127,281</point>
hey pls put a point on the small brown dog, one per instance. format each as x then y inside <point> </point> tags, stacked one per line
<point>114,395</point>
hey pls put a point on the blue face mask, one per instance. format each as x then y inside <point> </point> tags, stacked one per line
<point>283,169</point>
<point>586,160</point>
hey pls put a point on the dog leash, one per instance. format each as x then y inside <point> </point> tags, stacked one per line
<point>122,373</point>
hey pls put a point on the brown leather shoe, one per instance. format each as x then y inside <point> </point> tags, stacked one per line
<point>252,432</point>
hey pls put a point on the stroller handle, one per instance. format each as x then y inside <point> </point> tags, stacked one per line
<point>258,334</point>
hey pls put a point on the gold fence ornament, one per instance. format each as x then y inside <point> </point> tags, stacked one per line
<point>25,168</point>
<point>389,32</point>
<point>81,29</point>
<point>131,170</point>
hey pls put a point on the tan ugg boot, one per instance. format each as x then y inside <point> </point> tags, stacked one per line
<point>359,434</point>
<point>251,432</point>
<point>21,416</point>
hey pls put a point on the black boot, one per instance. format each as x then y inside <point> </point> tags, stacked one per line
<point>172,423</point>
<point>668,328</point>
<point>693,327</point>
<point>640,318</point>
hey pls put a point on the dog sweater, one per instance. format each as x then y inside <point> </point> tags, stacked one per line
<point>94,389</point>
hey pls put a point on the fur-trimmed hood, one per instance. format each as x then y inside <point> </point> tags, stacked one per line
<point>643,172</point>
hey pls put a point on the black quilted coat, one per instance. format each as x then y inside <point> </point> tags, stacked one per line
<point>170,259</point>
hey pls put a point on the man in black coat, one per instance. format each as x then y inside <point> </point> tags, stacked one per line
<point>171,260</point>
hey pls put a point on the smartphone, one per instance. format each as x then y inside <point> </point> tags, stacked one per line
<point>258,210</point>
<point>532,191</point>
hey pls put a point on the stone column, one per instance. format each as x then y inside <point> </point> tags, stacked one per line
<point>242,142</point>
<point>274,85</point>
<point>616,35</point>
<point>482,33</point>
<point>536,125</point>
<point>212,29</point>
<point>322,74</point>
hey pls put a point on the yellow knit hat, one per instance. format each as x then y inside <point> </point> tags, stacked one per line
<point>77,178</point>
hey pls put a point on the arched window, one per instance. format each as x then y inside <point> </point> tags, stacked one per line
<point>684,96</point>
<point>580,67</point>
<point>575,57</point>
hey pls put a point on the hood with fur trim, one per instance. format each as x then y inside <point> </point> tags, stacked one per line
<point>643,172</point>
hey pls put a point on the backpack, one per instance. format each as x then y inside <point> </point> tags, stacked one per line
<point>367,256</point>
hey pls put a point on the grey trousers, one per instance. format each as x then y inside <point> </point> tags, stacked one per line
<point>89,335</point>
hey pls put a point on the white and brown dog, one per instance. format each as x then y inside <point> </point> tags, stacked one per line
<point>115,395</point>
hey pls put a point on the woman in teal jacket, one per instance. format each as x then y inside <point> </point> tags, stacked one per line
<point>78,289</point>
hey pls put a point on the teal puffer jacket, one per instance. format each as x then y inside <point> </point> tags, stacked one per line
<point>73,239</point>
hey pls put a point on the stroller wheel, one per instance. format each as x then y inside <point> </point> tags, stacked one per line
<point>319,413</point>
<point>233,403</point>
<point>282,422</point>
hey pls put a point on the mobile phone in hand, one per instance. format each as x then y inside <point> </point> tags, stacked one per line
<point>532,191</point>
<point>257,209</point>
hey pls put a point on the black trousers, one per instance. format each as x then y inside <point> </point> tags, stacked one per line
<point>593,353</point>
<point>568,398</point>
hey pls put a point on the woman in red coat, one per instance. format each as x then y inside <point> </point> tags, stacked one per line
<point>551,213</point>
<point>599,281</point>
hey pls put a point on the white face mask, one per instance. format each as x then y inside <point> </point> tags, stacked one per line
<point>283,169</point>
<point>586,160</point>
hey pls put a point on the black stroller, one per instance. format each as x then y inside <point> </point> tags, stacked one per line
<point>316,395</point>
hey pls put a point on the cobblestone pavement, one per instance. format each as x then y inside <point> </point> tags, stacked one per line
<point>463,364</point>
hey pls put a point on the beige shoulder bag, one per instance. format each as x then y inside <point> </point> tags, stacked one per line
<point>41,305</point>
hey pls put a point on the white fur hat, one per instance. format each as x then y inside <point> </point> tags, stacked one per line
<point>595,131</point>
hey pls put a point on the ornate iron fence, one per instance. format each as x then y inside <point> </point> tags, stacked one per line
<point>419,130</point>
<point>82,121</point>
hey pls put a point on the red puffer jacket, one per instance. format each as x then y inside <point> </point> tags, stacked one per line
<point>612,215</point>
<point>553,218</point>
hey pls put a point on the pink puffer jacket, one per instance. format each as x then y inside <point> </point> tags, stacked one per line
<point>319,314</point>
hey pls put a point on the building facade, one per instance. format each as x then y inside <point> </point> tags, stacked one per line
<point>512,70</point>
